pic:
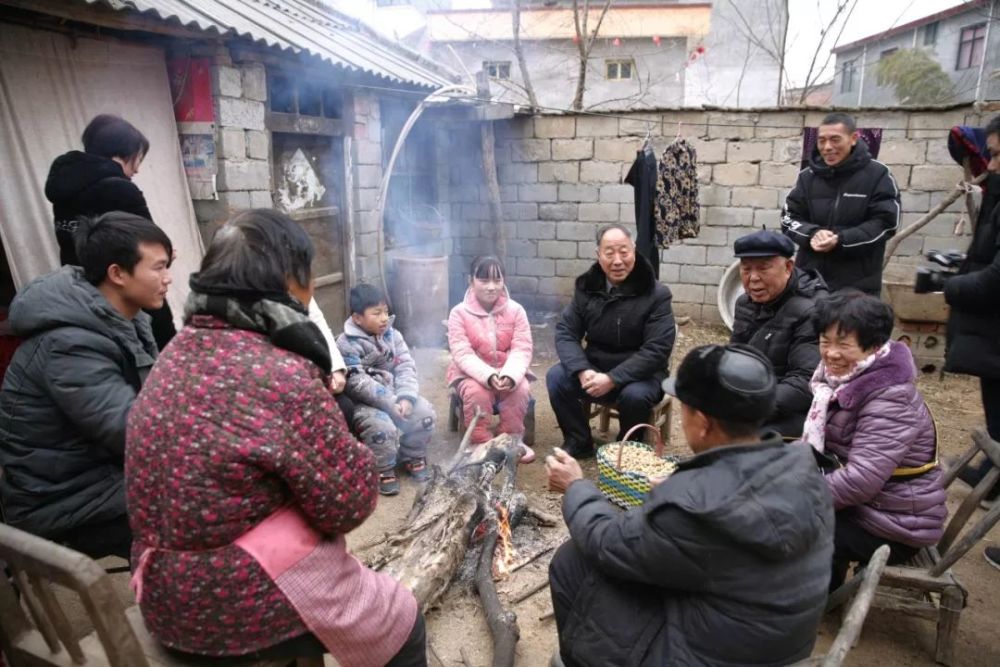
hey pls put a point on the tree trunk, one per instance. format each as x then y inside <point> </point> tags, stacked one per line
<point>515,16</point>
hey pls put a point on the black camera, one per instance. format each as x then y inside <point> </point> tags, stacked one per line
<point>931,279</point>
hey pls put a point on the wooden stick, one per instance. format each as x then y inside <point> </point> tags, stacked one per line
<point>502,622</point>
<point>543,518</point>
<point>532,559</point>
<point>930,215</point>
<point>531,591</point>
<point>546,616</point>
<point>855,619</point>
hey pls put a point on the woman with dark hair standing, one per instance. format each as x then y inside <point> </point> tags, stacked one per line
<point>242,477</point>
<point>99,180</point>
<point>872,430</point>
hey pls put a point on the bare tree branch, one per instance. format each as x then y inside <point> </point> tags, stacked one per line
<point>810,82</point>
<point>515,15</point>
<point>584,43</point>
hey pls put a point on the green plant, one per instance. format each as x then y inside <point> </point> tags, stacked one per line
<point>915,77</point>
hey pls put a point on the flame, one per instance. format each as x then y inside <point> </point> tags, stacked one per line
<point>505,544</point>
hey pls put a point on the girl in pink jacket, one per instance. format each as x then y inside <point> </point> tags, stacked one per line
<point>490,341</point>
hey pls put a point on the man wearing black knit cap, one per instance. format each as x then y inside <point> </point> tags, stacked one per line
<point>726,562</point>
<point>775,316</point>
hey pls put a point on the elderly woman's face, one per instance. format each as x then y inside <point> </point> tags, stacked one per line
<point>840,350</point>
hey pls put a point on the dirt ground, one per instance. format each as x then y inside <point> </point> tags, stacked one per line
<point>457,628</point>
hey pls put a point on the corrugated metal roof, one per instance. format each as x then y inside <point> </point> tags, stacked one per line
<point>298,25</point>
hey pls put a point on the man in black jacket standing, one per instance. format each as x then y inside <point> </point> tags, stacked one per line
<point>973,345</point>
<point>87,348</point>
<point>625,318</point>
<point>727,561</point>
<point>842,210</point>
<point>774,315</point>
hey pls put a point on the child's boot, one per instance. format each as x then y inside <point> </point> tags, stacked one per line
<point>388,483</point>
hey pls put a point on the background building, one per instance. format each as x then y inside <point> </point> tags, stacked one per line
<point>963,40</point>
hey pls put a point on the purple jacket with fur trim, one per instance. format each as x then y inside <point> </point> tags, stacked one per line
<point>880,422</point>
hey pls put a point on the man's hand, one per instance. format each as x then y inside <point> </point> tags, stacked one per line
<point>338,380</point>
<point>598,385</point>
<point>824,241</point>
<point>404,408</point>
<point>562,470</point>
<point>584,376</point>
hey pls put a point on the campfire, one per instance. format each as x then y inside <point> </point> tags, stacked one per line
<point>467,513</point>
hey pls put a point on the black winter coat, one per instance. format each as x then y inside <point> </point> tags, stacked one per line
<point>785,332</point>
<point>733,552</point>
<point>629,335</point>
<point>86,184</point>
<point>973,345</point>
<point>859,201</point>
<point>64,402</point>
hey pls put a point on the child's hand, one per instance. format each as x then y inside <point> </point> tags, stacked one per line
<point>338,380</point>
<point>496,382</point>
<point>506,383</point>
<point>404,408</point>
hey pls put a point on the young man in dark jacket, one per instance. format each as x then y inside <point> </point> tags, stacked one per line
<point>973,345</point>
<point>88,347</point>
<point>625,318</point>
<point>842,210</point>
<point>728,559</point>
<point>774,315</point>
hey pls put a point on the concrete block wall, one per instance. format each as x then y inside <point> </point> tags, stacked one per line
<point>560,179</point>
<point>243,143</point>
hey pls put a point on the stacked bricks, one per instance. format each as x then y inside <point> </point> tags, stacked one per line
<point>366,117</point>
<point>561,179</point>
<point>243,144</point>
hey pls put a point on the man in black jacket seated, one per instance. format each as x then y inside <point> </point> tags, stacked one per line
<point>625,317</point>
<point>87,349</point>
<point>842,210</point>
<point>774,315</point>
<point>726,562</point>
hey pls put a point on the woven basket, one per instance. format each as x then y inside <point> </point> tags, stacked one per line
<point>626,488</point>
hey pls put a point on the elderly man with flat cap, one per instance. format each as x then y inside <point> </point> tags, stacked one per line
<point>775,316</point>
<point>725,563</point>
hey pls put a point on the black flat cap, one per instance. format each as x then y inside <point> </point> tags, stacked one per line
<point>764,244</point>
<point>733,381</point>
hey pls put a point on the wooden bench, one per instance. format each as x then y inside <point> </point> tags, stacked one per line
<point>45,636</point>
<point>936,594</point>
<point>659,416</point>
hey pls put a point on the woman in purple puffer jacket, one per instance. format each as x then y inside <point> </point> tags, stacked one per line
<point>873,429</point>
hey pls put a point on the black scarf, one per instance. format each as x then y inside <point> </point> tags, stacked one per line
<point>278,316</point>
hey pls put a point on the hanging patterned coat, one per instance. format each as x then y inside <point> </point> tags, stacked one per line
<point>676,209</point>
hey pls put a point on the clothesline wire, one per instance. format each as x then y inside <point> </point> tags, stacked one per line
<point>649,121</point>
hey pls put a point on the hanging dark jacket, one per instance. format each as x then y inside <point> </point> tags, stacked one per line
<point>783,329</point>
<point>726,563</point>
<point>629,335</point>
<point>858,200</point>
<point>82,184</point>
<point>973,343</point>
<point>64,402</point>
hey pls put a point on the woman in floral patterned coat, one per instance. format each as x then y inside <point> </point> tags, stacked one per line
<point>242,477</point>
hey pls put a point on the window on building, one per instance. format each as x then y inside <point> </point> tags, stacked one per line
<point>885,54</point>
<point>619,69</point>
<point>971,46</point>
<point>297,95</point>
<point>930,34</point>
<point>848,71</point>
<point>497,69</point>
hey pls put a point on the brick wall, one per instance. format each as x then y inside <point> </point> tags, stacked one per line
<point>560,179</point>
<point>243,144</point>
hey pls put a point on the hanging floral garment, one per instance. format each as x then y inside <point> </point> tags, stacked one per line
<point>676,209</point>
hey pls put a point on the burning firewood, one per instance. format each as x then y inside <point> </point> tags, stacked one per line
<point>471,501</point>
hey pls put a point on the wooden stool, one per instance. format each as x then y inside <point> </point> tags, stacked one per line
<point>659,416</point>
<point>455,416</point>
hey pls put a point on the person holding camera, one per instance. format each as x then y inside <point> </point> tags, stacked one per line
<point>973,347</point>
